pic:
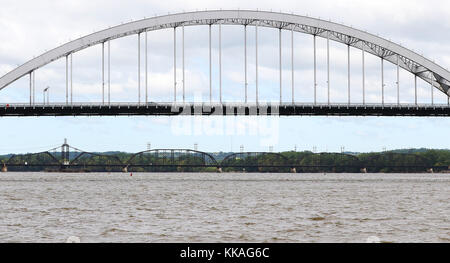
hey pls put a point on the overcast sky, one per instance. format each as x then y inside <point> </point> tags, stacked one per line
<point>29,28</point>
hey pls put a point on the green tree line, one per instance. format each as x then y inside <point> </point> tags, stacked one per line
<point>307,162</point>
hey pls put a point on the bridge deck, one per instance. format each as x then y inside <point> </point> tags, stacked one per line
<point>224,109</point>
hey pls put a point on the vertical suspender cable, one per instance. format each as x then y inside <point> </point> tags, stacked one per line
<point>363,74</point>
<point>315,71</point>
<point>174,64</point>
<point>146,67</point>
<point>292,64</point>
<point>220,62</point>
<point>256,51</point>
<point>245,61</point>
<point>281,68</point>
<point>184,81</point>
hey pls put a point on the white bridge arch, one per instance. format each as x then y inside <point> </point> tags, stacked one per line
<point>402,57</point>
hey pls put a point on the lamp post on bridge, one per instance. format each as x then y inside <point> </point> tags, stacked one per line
<point>46,90</point>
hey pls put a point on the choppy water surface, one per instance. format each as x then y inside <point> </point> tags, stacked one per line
<point>40,207</point>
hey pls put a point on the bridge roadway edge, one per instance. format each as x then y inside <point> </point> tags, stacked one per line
<point>169,109</point>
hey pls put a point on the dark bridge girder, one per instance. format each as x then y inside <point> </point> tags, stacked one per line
<point>170,157</point>
<point>169,109</point>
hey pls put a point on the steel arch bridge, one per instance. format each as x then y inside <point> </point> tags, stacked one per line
<point>420,67</point>
<point>169,157</point>
<point>65,157</point>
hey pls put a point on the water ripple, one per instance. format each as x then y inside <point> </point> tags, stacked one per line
<point>190,207</point>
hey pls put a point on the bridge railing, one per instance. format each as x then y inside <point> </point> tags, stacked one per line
<point>231,104</point>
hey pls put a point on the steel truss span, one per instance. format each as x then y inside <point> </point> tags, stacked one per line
<point>68,158</point>
<point>436,76</point>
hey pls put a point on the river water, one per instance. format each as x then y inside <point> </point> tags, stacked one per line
<point>101,207</point>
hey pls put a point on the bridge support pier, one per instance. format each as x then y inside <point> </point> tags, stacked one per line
<point>125,169</point>
<point>4,168</point>
<point>363,170</point>
<point>219,169</point>
<point>430,170</point>
<point>293,170</point>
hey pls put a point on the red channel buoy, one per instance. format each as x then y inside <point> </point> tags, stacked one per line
<point>131,174</point>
